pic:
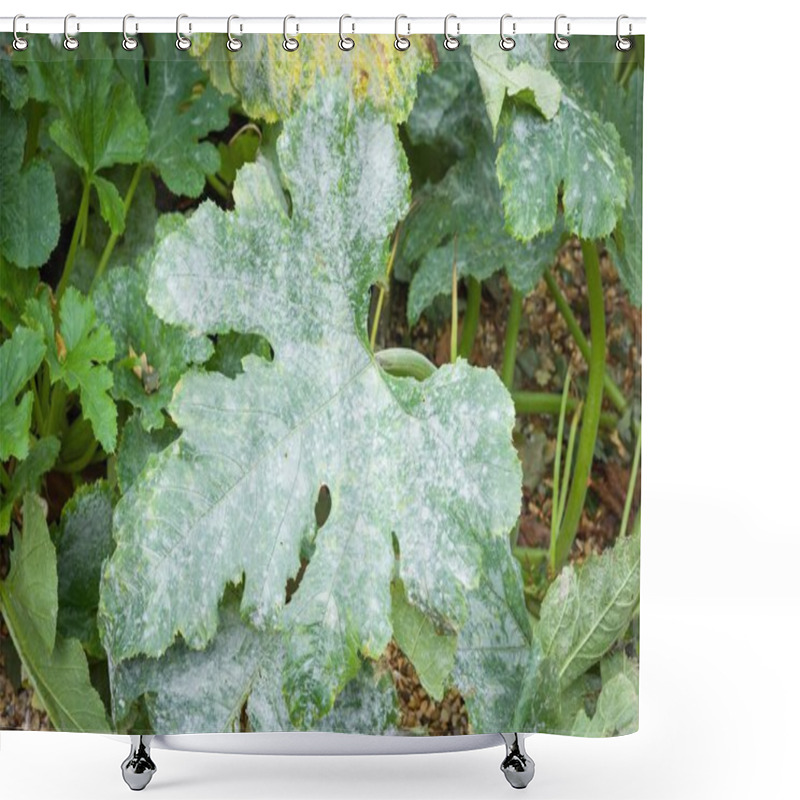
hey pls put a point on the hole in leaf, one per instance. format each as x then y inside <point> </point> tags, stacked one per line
<point>322,511</point>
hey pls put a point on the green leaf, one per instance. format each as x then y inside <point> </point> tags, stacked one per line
<point>160,353</point>
<point>29,220</point>
<point>525,76</point>
<point>26,476</point>
<point>84,542</point>
<point>77,353</point>
<point>617,712</point>
<point>240,668</point>
<point>577,149</point>
<point>322,413</point>
<point>112,207</point>
<point>136,446</point>
<point>495,640</point>
<point>56,667</point>
<point>432,652</point>
<point>231,348</point>
<point>181,109</point>
<point>585,611</point>
<point>20,357</point>
<point>273,84</point>
<point>13,82</point>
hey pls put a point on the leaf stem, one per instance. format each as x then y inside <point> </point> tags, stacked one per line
<point>550,404</point>
<point>382,292</point>
<point>612,391</point>
<point>512,332</point>
<point>623,528</point>
<point>114,237</point>
<point>469,326</point>
<point>573,432</point>
<point>562,413</point>
<point>80,463</point>
<point>80,221</point>
<point>404,363</point>
<point>591,408</point>
<point>454,305</point>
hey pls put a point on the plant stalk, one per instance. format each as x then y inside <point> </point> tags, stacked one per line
<point>612,391</point>
<point>550,404</point>
<point>512,333</point>
<point>591,409</point>
<point>382,293</point>
<point>114,237</point>
<point>623,528</point>
<point>469,327</point>
<point>80,223</point>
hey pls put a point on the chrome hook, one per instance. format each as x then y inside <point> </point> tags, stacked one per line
<point>345,42</point>
<point>233,44</point>
<point>19,44</point>
<point>450,42</point>
<point>70,43</point>
<point>506,42</point>
<point>182,43</point>
<point>623,44</point>
<point>560,42</point>
<point>401,43</point>
<point>290,44</point>
<point>127,42</point>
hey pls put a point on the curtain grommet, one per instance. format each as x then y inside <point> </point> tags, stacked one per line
<point>623,44</point>
<point>18,44</point>
<point>290,44</point>
<point>182,42</point>
<point>507,42</point>
<point>560,43</point>
<point>346,43</point>
<point>401,43</point>
<point>127,42</point>
<point>70,42</point>
<point>451,42</point>
<point>233,44</point>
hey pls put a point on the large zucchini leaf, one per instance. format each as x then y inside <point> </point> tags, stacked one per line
<point>427,465</point>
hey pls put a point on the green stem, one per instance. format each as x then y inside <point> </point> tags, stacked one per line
<point>35,113</point>
<point>591,409</point>
<point>550,404</point>
<point>114,237</point>
<point>530,554</point>
<point>512,332</point>
<point>56,416</point>
<point>573,432</point>
<point>612,391</point>
<point>37,407</point>
<point>80,221</point>
<point>219,187</point>
<point>382,293</point>
<point>623,528</point>
<point>470,325</point>
<point>562,414</point>
<point>404,363</point>
<point>79,464</point>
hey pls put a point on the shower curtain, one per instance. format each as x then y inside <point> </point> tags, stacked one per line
<point>320,380</point>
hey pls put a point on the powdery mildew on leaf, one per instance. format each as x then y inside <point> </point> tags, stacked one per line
<point>273,83</point>
<point>430,462</point>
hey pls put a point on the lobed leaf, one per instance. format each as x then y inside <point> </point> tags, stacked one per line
<point>617,712</point>
<point>235,495</point>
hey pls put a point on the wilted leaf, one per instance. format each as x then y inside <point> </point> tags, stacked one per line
<point>20,357</point>
<point>84,542</point>
<point>56,667</point>
<point>29,221</point>
<point>523,73</point>
<point>273,83</point>
<point>321,413</point>
<point>77,352</point>
<point>586,610</point>
<point>190,691</point>
<point>180,110</point>
<point>166,351</point>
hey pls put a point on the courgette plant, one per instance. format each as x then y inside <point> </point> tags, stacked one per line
<point>247,498</point>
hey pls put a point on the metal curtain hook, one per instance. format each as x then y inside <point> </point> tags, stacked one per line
<point>345,42</point>
<point>623,44</point>
<point>127,42</point>
<point>560,42</point>
<point>506,42</point>
<point>70,43</point>
<point>290,44</point>
<point>182,43</point>
<point>401,43</point>
<point>450,42</point>
<point>19,44</point>
<point>233,43</point>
